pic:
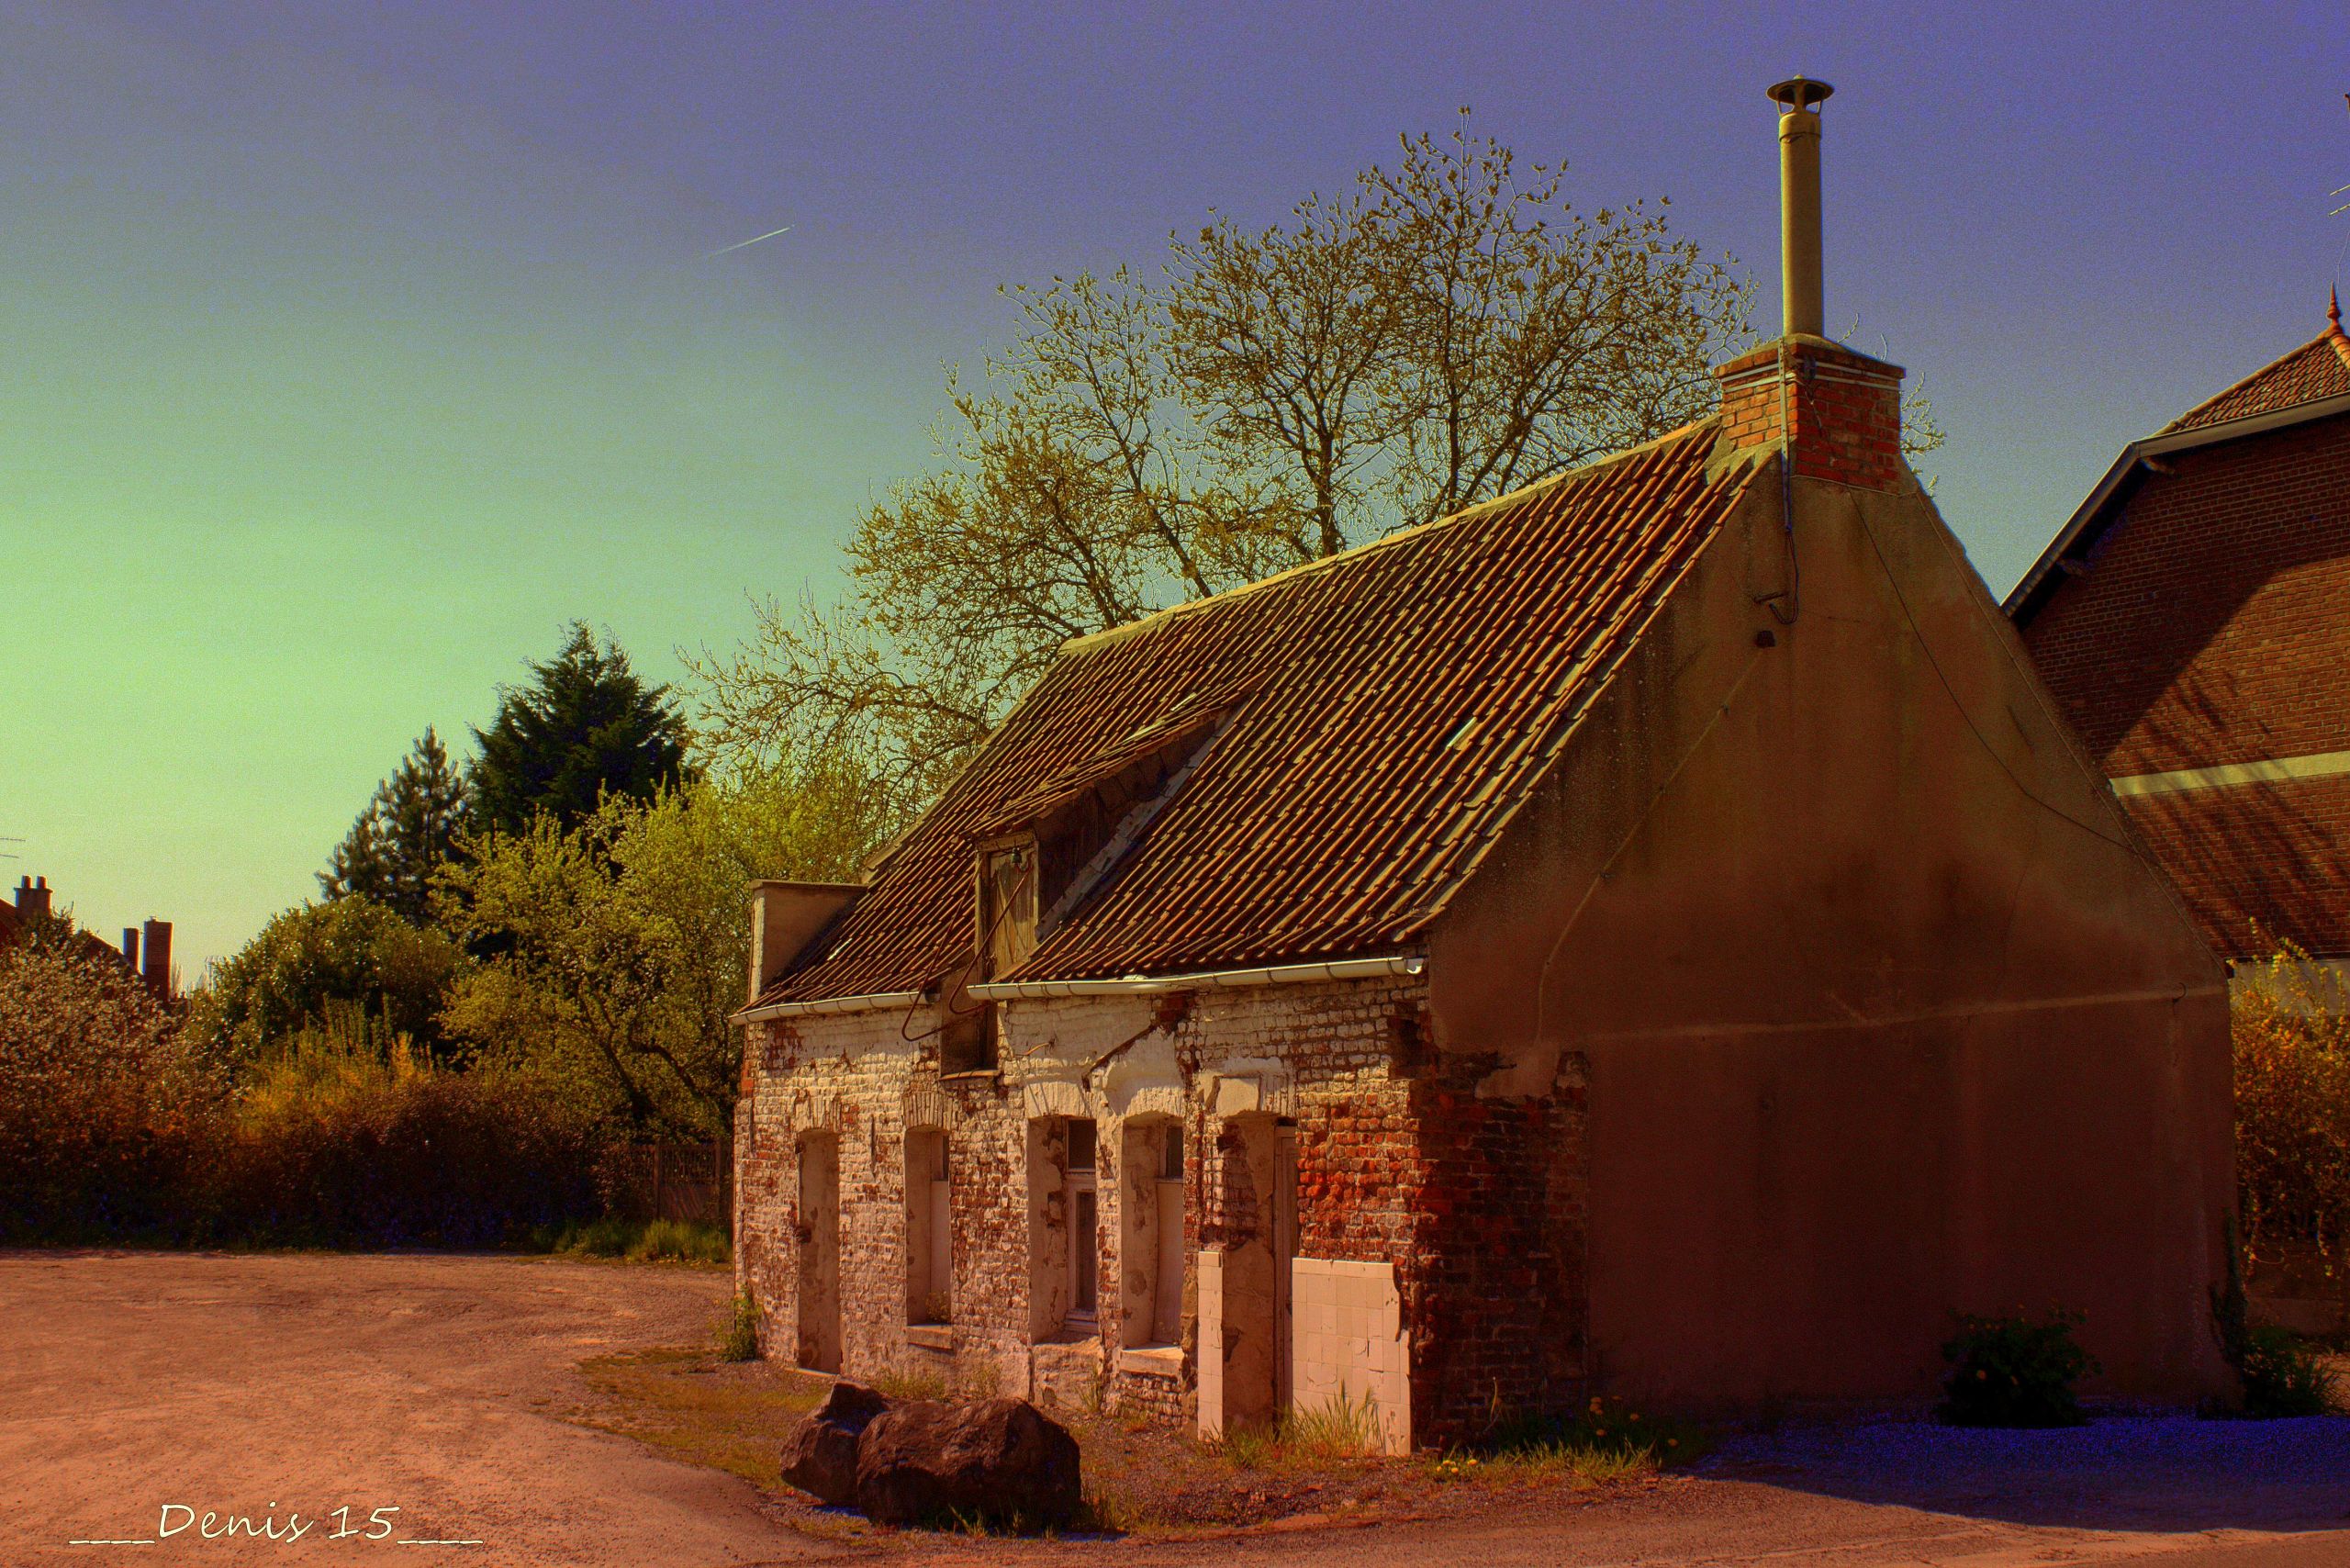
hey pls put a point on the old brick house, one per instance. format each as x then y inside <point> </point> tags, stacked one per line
<point>2193,618</point>
<point>1649,933</point>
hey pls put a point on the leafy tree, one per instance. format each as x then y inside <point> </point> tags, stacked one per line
<point>1441,333</point>
<point>584,726</point>
<point>620,944</point>
<point>405,833</point>
<point>314,965</point>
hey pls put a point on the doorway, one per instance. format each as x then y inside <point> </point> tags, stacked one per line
<point>820,1252</point>
<point>1244,1285</point>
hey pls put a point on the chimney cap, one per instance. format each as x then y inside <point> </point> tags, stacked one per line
<point>1800,92</point>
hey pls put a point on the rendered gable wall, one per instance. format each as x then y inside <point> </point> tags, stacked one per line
<point>1884,1010</point>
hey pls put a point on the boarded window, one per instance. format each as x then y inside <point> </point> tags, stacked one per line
<point>1007,909</point>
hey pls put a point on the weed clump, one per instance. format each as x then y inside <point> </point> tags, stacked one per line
<point>1602,1440</point>
<point>1343,1428</point>
<point>740,1341</point>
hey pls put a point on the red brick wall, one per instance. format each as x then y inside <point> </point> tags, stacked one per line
<point>2213,625</point>
<point>1458,1193</point>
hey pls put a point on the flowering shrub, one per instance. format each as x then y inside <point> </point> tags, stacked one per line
<point>334,1145</point>
<point>103,1115</point>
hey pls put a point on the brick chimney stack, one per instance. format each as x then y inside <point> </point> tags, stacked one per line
<point>155,966</point>
<point>1836,413</point>
<point>32,898</point>
<point>130,948</point>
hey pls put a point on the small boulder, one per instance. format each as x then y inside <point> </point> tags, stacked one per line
<point>819,1456</point>
<point>1000,1458</point>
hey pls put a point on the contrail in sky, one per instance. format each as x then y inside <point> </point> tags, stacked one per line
<point>752,241</point>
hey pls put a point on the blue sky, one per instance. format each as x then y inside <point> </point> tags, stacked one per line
<point>353,350</point>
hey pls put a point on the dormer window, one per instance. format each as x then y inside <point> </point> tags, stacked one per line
<point>1004,937</point>
<point>1007,906</point>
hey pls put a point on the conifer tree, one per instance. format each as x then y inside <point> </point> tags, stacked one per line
<point>584,727</point>
<point>404,836</point>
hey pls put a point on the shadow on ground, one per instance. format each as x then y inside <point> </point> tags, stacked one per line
<point>2167,1473</point>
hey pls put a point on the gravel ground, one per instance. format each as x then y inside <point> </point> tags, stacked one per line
<point>448,1386</point>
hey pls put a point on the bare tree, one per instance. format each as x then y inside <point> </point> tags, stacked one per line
<point>1441,333</point>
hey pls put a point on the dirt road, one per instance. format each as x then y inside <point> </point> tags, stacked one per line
<point>435,1385</point>
<point>139,1391</point>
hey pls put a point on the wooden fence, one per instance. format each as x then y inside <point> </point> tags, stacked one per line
<point>689,1182</point>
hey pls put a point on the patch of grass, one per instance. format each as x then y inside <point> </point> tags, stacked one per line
<point>895,1384</point>
<point>1606,1440</point>
<point>1345,1429</point>
<point>662,1240</point>
<point>693,1407</point>
<point>671,1240</point>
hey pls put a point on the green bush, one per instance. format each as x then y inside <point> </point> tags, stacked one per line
<point>2012,1372</point>
<point>2282,1377</point>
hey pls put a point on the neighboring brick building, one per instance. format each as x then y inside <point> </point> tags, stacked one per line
<point>1650,933</point>
<point>2194,620</point>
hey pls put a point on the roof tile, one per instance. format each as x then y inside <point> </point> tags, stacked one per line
<point>1389,709</point>
<point>2318,368</point>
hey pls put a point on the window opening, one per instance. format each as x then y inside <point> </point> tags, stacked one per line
<point>930,1247</point>
<point>1084,1210</point>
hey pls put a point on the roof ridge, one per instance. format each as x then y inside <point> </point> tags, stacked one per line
<point>2332,335</point>
<point>1091,640</point>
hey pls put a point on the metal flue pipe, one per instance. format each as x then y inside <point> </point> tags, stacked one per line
<point>1799,204</point>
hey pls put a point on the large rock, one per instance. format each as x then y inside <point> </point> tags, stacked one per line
<point>1002,1459</point>
<point>819,1456</point>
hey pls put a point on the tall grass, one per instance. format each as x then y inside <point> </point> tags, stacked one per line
<point>1340,1428</point>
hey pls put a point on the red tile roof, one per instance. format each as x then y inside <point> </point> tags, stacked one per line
<point>1382,715</point>
<point>2318,368</point>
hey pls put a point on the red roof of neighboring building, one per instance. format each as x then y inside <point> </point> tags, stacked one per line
<point>2318,368</point>
<point>1377,718</point>
<point>2308,380</point>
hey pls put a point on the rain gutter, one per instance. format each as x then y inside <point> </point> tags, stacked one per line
<point>870,1002</point>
